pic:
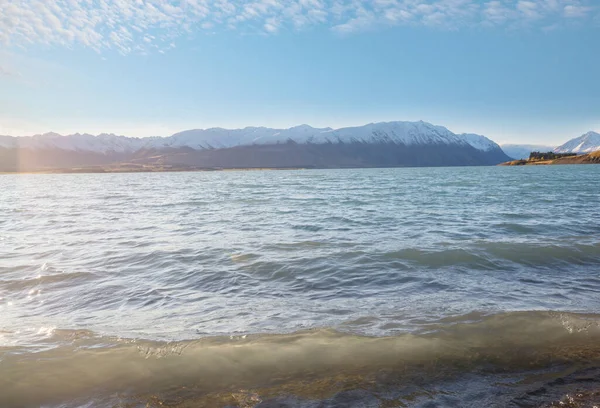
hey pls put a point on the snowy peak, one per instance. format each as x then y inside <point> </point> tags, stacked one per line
<point>587,143</point>
<point>400,133</point>
<point>407,133</point>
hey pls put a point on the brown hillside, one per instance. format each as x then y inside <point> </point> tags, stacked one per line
<point>590,158</point>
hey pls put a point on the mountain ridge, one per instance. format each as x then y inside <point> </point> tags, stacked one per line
<point>383,144</point>
<point>408,133</point>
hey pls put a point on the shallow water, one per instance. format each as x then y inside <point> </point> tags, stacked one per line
<point>323,287</point>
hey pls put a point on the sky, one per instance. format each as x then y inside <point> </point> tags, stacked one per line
<point>517,71</point>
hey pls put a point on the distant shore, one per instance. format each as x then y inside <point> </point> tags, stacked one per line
<point>178,169</point>
<point>590,158</point>
<point>145,169</point>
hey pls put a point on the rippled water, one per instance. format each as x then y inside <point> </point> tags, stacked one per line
<point>298,287</point>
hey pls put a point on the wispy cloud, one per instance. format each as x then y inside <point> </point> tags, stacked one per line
<point>140,26</point>
<point>577,11</point>
<point>8,72</point>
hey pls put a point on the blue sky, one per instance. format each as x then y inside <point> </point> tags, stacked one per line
<point>514,70</point>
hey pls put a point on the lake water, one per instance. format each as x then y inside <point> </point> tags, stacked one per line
<point>424,287</point>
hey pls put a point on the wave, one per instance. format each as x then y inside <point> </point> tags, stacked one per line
<point>48,280</point>
<point>494,255</point>
<point>314,363</point>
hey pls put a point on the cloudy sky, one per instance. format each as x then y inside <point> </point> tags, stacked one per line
<point>514,70</point>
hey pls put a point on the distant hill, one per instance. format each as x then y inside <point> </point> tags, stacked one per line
<point>588,158</point>
<point>385,144</point>
<point>519,152</point>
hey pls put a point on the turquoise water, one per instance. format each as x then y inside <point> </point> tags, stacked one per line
<point>298,287</point>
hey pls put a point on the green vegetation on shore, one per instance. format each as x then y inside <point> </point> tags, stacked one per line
<point>549,158</point>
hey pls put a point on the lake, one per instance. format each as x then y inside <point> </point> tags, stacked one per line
<point>428,287</point>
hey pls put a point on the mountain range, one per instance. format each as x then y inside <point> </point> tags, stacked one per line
<point>385,144</point>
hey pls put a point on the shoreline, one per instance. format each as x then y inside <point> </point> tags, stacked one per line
<point>589,158</point>
<point>117,171</point>
<point>462,363</point>
<point>109,170</point>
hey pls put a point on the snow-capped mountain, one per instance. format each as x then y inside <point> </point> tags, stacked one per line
<point>406,133</point>
<point>590,142</point>
<point>386,144</point>
<point>520,152</point>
